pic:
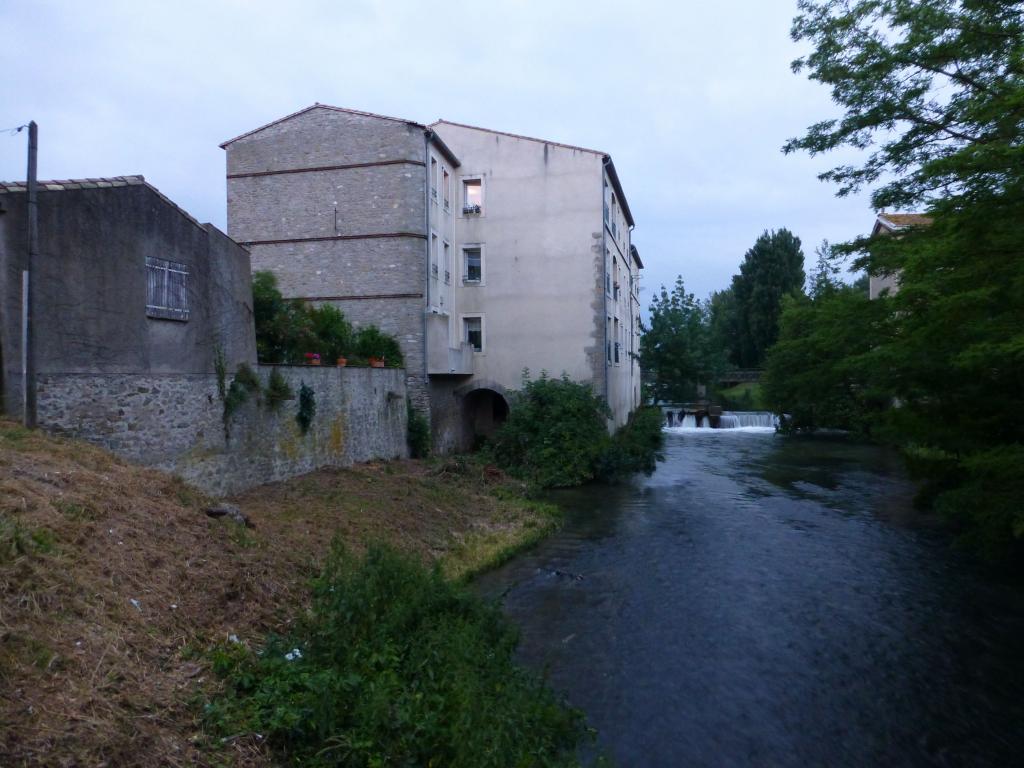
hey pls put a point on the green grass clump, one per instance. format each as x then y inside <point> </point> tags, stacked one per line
<point>743,397</point>
<point>395,665</point>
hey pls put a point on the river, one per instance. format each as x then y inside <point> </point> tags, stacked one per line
<point>771,601</point>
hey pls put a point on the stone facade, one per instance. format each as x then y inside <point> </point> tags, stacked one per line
<point>333,203</point>
<point>373,214</point>
<point>176,422</point>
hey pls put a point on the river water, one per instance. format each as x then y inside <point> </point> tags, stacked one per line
<point>771,601</point>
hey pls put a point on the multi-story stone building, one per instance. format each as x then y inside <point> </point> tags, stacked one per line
<point>483,252</point>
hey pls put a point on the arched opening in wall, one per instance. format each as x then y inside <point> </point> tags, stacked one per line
<point>483,411</point>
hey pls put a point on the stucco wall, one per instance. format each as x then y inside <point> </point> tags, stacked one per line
<point>175,422</point>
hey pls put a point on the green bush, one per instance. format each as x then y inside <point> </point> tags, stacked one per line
<point>245,383</point>
<point>287,329</point>
<point>371,341</point>
<point>332,333</point>
<point>394,665</point>
<point>277,389</point>
<point>555,434</point>
<point>417,432</point>
<point>307,407</point>
<point>636,446</point>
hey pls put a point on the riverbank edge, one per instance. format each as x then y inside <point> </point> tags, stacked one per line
<point>115,582</point>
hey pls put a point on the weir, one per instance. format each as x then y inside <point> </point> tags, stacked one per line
<point>700,416</point>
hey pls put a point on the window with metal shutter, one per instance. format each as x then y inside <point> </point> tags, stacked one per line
<point>166,289</point>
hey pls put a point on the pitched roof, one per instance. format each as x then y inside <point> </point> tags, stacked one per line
<point>318,105</point>
<point>108,182</point>
<point>609,165</point>
<point>895,221</point>
<point>518,136</point>
<point>61,184</point>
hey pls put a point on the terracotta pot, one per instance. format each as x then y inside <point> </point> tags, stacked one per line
<point>314,361</point>
<point>342,362</point>
<point>376,362</point>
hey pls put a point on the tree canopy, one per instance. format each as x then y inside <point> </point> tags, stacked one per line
<point>771,269</point>
<point>933,92</point>
<point>677,351</point>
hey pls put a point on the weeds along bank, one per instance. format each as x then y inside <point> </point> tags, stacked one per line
<point>114,585</point>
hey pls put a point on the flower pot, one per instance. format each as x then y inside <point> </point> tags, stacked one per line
<point>315,361</point>
<point>342,362</point>
<point>376,362</point>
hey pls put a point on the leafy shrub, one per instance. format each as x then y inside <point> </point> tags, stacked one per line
<point>394,665</point>
<point>636,446</point>
<point>417,432</point>
<point>555,433</point>
<point>244,384</point>
<point>332,333</point>
<point>288,329</point>
<point>307,407</point>
<point>371,341</point>
<point>277,389</point>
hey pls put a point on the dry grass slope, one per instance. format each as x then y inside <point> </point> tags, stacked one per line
<point>112,578</point>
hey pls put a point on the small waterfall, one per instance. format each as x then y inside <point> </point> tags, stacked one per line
<point>689,421</point>
<point>738,419</point>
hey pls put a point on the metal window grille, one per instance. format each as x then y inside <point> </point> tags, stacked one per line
<point>433,270</point>
<point>166,289</point>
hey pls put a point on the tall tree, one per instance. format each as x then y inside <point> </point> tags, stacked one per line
<point>676,350</point>
<point>771,269</point>
<point>933,91</point>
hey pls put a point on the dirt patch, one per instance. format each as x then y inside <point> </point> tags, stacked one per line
<point>113,582</point>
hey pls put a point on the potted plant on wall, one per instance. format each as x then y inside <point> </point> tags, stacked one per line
<point>312,358</point>
<point>377,347</point>
<point>342,362</point>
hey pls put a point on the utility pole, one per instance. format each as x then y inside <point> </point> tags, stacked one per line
<point>28,281</point>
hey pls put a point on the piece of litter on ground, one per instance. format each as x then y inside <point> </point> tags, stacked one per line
<point>233,638</point>
<point>293,654</point>
<point>135,602</point>
<point>174,606</point>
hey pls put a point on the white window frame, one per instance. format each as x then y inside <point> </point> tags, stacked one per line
<point>465,266</point>
<point>446,187</point>
<point>446,262</point>
<point>432,177</point>
<point>464,332</point>
<point>462,195</point>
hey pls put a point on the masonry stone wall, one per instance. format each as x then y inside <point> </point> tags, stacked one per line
<point>176,422</point>
<point>353,236</point>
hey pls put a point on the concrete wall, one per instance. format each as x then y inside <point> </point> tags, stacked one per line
<point>175,422</point>
<point>356,235</point>
<point>90,312</point>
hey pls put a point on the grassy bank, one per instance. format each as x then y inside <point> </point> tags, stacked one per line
<point>113,583</point>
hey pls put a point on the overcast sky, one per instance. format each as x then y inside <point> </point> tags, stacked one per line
<point>692,99</point>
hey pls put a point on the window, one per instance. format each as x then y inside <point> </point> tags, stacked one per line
<point>433,256</point>
<point>433,178</point>
<point>166,289</point>
<point>446,186</point>
<point>617,344</point>
<point>473,332</point>
<point>608,340</point>
<point>472,195</point>
<point>447,263</point>
<point>472,259</point>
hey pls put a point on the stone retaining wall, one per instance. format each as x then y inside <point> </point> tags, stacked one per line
<point>176,422</point>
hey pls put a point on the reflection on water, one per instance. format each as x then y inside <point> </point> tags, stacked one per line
<point>763,600</point>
